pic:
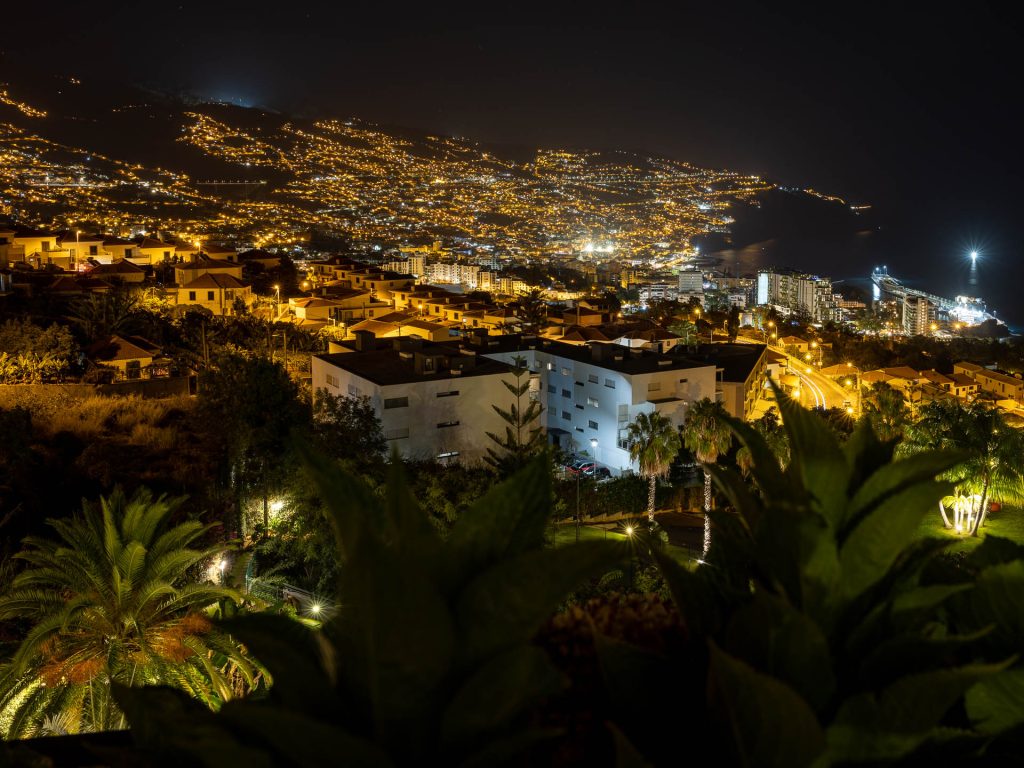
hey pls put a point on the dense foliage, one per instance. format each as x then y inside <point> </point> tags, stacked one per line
<point>108,601</point>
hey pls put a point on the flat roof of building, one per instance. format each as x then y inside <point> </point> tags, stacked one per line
<point>392,361</point>
<point>736,361</point>
<point>612,357</point>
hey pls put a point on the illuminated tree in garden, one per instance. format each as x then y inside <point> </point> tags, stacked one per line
<point>653,443</point>
<point>992,469</point>
<point>706,434</point>
<point>109,601</point>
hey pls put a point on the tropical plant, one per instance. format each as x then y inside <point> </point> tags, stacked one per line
<point>820,632</point>
<point>30,353</point>
<point>886,409</point>
<point>109,602</point>
<point>431,661</point>
<point>532,310</point>
<point>653,443</point>
<point>102,314</point>
<point>770,428</point>
<point>992,469</point>
<point>521,439</point>
<point>707,436</point>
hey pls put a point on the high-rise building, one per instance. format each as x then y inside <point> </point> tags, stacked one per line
<point>918,315</point>
<point>795,292</point>
<point>691,285</point>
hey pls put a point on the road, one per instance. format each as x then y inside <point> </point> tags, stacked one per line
<point>817,391</point>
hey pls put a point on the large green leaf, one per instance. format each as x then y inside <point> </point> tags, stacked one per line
<point>776,639</point>
<point>292,654</point>
<point>299,740</point>
<point>508,520</point>
<point>171,725</point>
<point>500,690</point>
<point>816,459</point>
<point>895,722</point>
<point>693,595</point>
<point>395,636</point>
<point>507,603</point>
<point>996,704</point>
<point>881,535</point>
<point>770,724</point>
<point>894,478</point>
<point>998,601</point>
<point>797,549</point>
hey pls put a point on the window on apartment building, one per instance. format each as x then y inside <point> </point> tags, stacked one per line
<point>566,393</point>
<point>551,366</point>
<point>610,383</point>
<point>444,424</point>
<point>654,386</point>
<point>452,393</point>
<point>191,295</point>
<point>579,407</point>
<point>566,372</point>
<point>209,295</point>
<point>566,415</point>
<point>623,413</point>
<point>167,255</point>
<point>683,381</point>
<point>552,389</point>
<point>354,390</point>
<point>396,434</point>
<point>94,250</point>
<point>229,295</point>
<point>332,381</point>
<point>592,378</point>
<point>592,424</point>
<point>579,429</point>
<point>396,402</point>
<point>592,401</point>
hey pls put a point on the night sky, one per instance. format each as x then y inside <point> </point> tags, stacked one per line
<point>917,113</point>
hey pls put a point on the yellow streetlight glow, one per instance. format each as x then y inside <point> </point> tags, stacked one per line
<point>629,530</point>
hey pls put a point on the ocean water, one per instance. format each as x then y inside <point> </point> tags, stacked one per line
<point>849,259</point>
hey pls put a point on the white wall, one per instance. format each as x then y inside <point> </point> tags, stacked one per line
<point>425,411</point>
<point>619,399</point>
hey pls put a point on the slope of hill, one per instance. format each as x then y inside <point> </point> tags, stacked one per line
<point>114,158</point>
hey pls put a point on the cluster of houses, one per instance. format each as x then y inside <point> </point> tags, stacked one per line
<point>76,263</point>
<point>966,382</point>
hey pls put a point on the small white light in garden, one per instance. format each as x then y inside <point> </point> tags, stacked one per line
<point>629,530</point>
<point>315,609</point>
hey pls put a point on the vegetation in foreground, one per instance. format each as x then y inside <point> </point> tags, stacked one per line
<point>820,632</point>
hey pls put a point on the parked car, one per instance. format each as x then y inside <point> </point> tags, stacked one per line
<point>598,473</point>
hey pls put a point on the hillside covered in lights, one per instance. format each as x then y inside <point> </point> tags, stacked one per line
<point>118,159</point>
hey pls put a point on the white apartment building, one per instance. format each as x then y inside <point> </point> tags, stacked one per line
<point>591,394</point>
<point>918,315</point>
<point>691,284</point>
<point>434,400</point>
<point>791,292</point>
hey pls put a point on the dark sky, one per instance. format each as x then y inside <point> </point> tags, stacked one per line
<point>917,111</point>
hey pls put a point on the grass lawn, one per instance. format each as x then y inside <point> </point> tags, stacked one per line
<point>566,534</point>
<point>1007,522</point>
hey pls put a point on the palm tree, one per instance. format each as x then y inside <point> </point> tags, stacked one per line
<point>707,435</point>
<point>992,470</point>
<point>109,602</point>
<point>653,443</point>
<point>887,411</point>
<point>770,428</point>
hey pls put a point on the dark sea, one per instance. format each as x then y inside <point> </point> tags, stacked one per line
<point>848,259</point>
